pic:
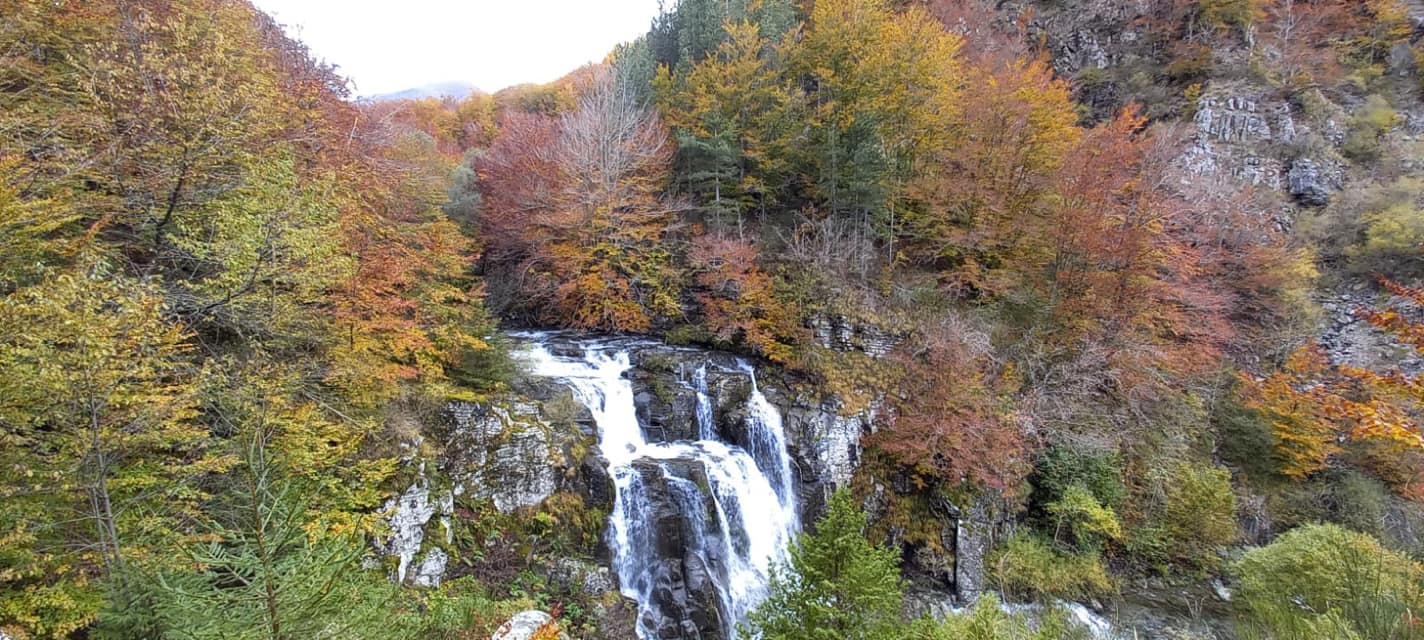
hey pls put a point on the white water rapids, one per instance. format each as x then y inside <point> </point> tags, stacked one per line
<point>750,488</point>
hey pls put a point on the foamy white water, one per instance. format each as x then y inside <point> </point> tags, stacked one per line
<point>751,489</point>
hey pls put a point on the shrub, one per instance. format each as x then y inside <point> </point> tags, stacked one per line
<point>1229,13</point>
<point>1061,467</point>
<point>1028,567</point>
<point>1326,581</point>
<point>1359,502</point>
<point>1189,518</point>
<point>1367,128</point>
<point>1247,440</point>
<point>1191,64</point>
<point>1393,231</point>
<point>1083,520</point>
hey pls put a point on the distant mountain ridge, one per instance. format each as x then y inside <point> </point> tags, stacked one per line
<point>434,90</point>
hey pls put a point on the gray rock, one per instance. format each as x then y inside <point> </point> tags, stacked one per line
<point>1311,183</point>
<point>825,446</point>
<point>431,569</point>
<point>408,514</point>
<point>667,412</point>
<point>1349,339</point>
<point>685,601</point>
<point>523,626</point>
<point>839,333</point>
<point>502,453</point>
<point>587,578</point>
<point>1232,118</point>
<point>974,536</point>
<point>1401,60</point>
<point>1240,130</point>
<point>1223,593</point>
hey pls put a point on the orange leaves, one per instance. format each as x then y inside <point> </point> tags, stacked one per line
<point>738,299</point>
<point>407,311</point>
<point>1316,410</point>
<point>1122,260</point>
<point>600,299</point>
<point>1299,410</point>
<point>1391,320</point>
<point>949,419</point>
<point>574,213</point>
<point>989,189</point>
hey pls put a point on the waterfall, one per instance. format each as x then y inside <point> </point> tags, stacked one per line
<point>738,513</point>
<point>766,441</point>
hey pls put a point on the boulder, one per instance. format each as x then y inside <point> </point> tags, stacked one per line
<point>684,598</point>
<point>524,625</point>
<point>431,570</point>
<point>579,576</point>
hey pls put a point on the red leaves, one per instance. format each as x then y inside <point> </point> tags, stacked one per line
<point>1124,261</point>
<point>518,176</point>
<point>949,418</point>
<point>738,299</point>
<point>574,214</point>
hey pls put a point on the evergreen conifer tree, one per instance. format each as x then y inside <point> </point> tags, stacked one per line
<point>837,585</point>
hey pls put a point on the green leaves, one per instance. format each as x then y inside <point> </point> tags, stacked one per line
<point>1084,521</point>
<point>1322,581</point>
<point>837,586</point>
<point>99,411</point>
<point>264,575</point>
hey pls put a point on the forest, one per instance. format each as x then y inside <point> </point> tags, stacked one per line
<point>1143,283</point>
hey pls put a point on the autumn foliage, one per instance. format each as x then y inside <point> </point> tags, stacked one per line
<point>1319,412</point>
<point>951,419</point>
<point>576,203</point>
<point>738,299</point>
<point>211,243</point>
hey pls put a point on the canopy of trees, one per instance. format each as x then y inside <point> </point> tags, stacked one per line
<point>226,287</point>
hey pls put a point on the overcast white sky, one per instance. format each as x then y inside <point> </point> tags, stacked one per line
<point>389,45</point>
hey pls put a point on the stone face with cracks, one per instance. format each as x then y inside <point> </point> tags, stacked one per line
<point>408,514</point>
<point>685,598</point>
<point>431,569</point>
<point>974,535</point>
<point>502,453</point>
<point>1312,183</point>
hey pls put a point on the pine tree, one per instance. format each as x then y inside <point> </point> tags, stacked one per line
<point>837,586</point>
<point>268,573</point>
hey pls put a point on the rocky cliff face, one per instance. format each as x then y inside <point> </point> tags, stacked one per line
<point>517,452</point>
<point>1248,127</point>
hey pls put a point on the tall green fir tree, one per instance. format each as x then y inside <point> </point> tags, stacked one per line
<point>836,586</point>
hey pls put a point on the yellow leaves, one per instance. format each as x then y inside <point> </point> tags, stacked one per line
<point>603,300</point>
<point>1314,409</point>
<point>27,227</point>
<point>899,70</point>
<point>99,399</point>
<point>1299,410</point>
<point>98,344</point>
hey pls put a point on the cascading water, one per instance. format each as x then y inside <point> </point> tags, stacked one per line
<point>752,515</point>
